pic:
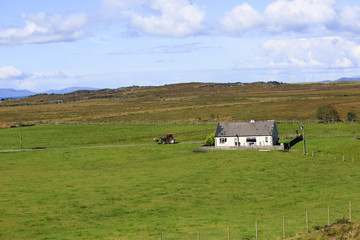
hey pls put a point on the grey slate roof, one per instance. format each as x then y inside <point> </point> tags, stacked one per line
<point>242,129</point>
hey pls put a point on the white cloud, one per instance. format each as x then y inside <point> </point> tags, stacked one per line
<point>293,16</point>
<point>175,18</point>
<point>241,18</point>
<point>10,73</point>
<point>328,52</point>
<point>349,19</point>
<point>58,74</point>
<point>42,28</point>
<point>180,48</point>
<point>298,15</point>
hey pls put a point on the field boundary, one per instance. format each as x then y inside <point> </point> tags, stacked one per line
<point>89,147</point>
<point>284,223</point>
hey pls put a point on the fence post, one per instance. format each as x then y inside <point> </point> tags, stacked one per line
<point>228,233</point>
<point>283,227</point>
<point>307,222</point>
<point>256,226</point>
<point>350,211</point>
<point>198,236</point>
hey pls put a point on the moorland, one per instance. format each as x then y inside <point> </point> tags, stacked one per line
<point>128,187</point>
<point>184,103</point>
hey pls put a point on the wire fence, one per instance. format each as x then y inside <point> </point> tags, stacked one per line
<point>284,223</point>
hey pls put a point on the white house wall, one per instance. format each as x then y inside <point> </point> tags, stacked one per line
<point>230,141</point>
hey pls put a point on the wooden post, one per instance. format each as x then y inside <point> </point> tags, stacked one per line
<point>312,153</point>
<point>303,128</point>
<point>283,227</point>
<point>307,222</point>
<point>228,233</point>
<point>350,211</point>
<point>328,215</point>
<point>20,136</point>
<point>353,160</point>
<point>198,236</point>
<point>256,227</point>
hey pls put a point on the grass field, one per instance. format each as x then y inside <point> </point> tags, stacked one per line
<point>173,191</point>
<point>77,135</point>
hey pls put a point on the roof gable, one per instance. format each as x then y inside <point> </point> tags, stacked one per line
<point>241,129</point>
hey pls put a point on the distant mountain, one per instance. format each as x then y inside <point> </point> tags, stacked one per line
<point>344,79</point>
<point>69,90</point>
<point>12,93</point>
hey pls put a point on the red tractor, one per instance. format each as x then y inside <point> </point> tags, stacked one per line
<point>169,138</point>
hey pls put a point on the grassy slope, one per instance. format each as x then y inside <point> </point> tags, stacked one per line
<point>147,191</point>
<point>191,102</point>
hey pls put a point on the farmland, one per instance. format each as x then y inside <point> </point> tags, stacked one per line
<point>173,191</point>
<point>90,169</point>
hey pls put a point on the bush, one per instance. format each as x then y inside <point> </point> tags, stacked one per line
<point>351,117</point>
<point>210,140</point>
<point>328,113</point>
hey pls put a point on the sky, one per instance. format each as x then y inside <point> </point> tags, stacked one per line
<point>115,43</point>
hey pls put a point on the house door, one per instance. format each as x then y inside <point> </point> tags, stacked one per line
<point>236,141</point>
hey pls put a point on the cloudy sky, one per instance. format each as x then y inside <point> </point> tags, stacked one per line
<point>113,43</point>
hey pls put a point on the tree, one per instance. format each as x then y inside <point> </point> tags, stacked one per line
<point>327,113</point>
<point>210,140</point>
<point>351,117</point>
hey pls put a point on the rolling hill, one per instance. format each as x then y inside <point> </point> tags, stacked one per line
<point>184,103</point>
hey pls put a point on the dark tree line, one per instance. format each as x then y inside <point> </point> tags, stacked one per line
<point>328,113</point>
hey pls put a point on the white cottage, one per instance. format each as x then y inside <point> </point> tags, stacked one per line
<point>253,133</point>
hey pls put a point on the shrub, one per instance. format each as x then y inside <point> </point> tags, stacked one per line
<point>210,140</point>
<point>351,117</point>
<point>327,113</point>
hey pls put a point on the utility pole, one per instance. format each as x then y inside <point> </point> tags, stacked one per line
<point>20,135</point>
<point>303,128</point>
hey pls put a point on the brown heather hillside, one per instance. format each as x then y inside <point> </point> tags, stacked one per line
<point>341,230</point>
<point>189,102</point>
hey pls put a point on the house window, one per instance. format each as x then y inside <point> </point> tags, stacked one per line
<point>266,139</point>
<point>223,140</point>
<point>251,140</point>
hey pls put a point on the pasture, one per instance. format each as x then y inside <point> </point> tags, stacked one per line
<point>173,191</point>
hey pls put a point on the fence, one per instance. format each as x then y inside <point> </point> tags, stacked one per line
<point>334,157</point>
<point>283,222</point>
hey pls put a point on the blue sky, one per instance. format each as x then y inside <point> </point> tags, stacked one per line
<point>114,43</point>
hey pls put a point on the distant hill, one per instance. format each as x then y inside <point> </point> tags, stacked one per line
<point>185,103</point>
<point>343,79</point>
<point>12,93</point>
<point>68,90</point>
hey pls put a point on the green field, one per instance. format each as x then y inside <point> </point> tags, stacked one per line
<point>173,191</point>
<point>77,135</point>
